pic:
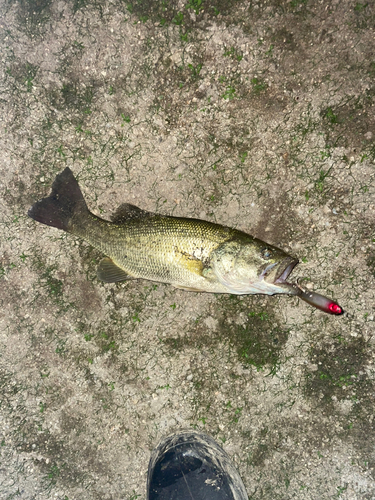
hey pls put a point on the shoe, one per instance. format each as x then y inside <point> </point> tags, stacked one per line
<point>192,466</point>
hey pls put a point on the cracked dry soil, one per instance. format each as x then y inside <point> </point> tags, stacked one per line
<point>253,114</point>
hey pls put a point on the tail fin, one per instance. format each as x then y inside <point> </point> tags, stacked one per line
<point>65,201</point>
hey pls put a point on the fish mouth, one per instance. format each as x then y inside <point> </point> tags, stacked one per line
<point>277,274</point>
<point>285,269</point>
<point>273,278</point>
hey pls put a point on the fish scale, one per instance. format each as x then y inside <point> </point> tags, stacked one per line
<point>166,249</point>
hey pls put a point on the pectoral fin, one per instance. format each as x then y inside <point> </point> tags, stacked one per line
<point>109,272</point>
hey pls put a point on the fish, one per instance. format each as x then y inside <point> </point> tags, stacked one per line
<point>189,254</point>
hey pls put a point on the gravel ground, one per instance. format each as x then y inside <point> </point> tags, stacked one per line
<point>256,115</point>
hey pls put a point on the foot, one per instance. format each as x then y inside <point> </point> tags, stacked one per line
<point>192,466</point>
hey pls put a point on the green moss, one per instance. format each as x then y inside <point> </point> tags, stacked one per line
<point>167,12</point>
<point>258,85</point>
<point>53,286</point>
<point>33,16</point>
<point>24,73</point>
<point>346,123</point>
<point>338,370</point>
<point>258,343</point>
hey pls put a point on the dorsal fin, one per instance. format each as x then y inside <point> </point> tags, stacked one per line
<point>126,212</point>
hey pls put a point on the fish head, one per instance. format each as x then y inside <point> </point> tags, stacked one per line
<point>252,266</point>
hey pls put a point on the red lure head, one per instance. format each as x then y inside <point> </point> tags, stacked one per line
<point>335,308</point>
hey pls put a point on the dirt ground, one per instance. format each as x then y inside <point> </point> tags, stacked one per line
<point>254,114</point>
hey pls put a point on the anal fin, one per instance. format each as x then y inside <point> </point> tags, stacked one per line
<point>188,288</point>
<point>109,272</point>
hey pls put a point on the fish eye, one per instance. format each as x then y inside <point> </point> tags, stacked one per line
<point>266,253</point>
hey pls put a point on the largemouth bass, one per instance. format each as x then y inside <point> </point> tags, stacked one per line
<point>190,254</point>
